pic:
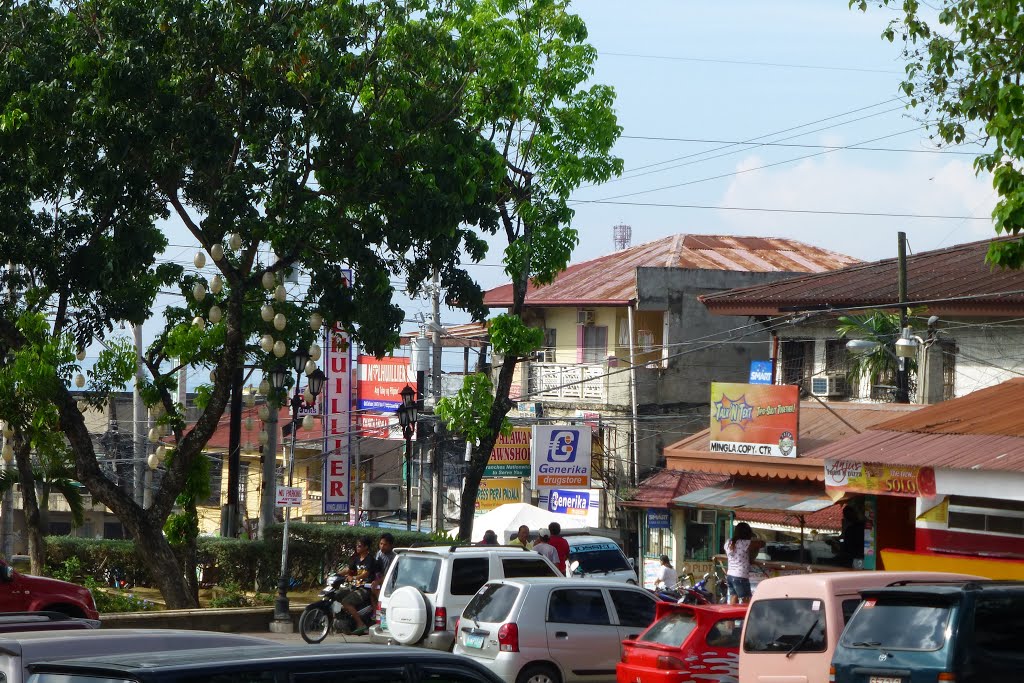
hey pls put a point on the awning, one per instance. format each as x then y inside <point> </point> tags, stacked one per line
<point>750,496</point>
<point>660,489</point>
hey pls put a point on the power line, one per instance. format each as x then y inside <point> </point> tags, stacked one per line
<point>762,209</point>
<point>745,62</point>
<point>793,144</point>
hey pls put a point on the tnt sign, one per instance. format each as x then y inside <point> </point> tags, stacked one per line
<point>561,457</point>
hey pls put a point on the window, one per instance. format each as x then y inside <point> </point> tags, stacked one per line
<point>949,351</point>
<point>797,359</point>
<point>725,633</point>
<point>595,344</point>
<point>998,622</point>
<point>448,674</point>
<point>849,607</point>
<point>492,604</point>
<point>578,606</point>
<point>672,629</point>
<point>415,570</point>
<point>601,560</point>
<point>785,625</point>
<point>986,515</point>
<point>216,474</point>
<point>547,353</point>
<point>633,607</point>
<point>378,675</point>
<point>898,624</point>
<point>515,567</point>
<point>243,485</point>
<point>468,574</point>
<point>252,676</point>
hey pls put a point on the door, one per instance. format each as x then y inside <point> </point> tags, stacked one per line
<point>12,597</point>
<point>582,639</point>
<point>634,612</point>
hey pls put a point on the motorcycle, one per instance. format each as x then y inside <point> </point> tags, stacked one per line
<point>697,594</point>
<point>327,614</point>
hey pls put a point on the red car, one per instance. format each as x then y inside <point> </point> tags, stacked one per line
<point>685,642</point>
<point>25,593</point>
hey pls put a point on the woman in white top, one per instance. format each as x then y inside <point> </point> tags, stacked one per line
<point>665,577</point>
<point>740,550</point>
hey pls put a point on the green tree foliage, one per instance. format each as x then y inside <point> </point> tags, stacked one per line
<point>964,65</point>
<point>878,365</point>
<point>528,94</point>
<point>326,136</point>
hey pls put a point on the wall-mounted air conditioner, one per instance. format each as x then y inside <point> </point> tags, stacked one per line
<point>707,517</point>
<point>829,384</point>
<point>584,316</point>
<point>382,497</point>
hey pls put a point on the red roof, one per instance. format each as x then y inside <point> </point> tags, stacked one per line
<point>658,490</point>
<point>983,430</point>
<point>952,281</point>
<point>611,279</point>
<point>829,519</point>
<point>219,440</point>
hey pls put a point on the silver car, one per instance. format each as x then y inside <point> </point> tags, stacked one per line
<point>556,630</point>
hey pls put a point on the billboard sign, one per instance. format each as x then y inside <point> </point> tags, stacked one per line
<point>337,453</point>
<point>560,457</point>
<point>381,381</point>
<point>376,426</point>
<point>889,480</point>
<point>511,455</point>
<point>658,519</point>
<point>755,419</point>
<point>498,491</point>
<point>760,372</point>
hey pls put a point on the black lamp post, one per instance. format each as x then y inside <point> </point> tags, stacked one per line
<point>278,376</point>
<point>407,416</point>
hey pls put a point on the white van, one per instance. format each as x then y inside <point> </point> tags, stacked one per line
<point>597,557</point>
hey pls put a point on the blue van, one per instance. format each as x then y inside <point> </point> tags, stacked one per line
<point>967,632</point>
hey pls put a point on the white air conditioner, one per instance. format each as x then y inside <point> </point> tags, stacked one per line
<point>830,384</point>
<point>584,316</point>
<point>382,497</point>
<point>707,517</point>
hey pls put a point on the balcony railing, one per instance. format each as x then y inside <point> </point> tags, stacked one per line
<point>576,382</point>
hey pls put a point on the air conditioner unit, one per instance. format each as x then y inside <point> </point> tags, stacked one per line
<point>831,384</point>
<point>382,497</point>
<point>584,316</point>
<point>707,517</point>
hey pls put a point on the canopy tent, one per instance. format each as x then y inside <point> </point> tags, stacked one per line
<point>505,521</point>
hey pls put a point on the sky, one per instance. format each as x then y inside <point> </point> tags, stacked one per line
<point>805,75</point>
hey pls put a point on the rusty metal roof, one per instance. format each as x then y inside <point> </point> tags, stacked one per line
<point>611,279</point>
<point>829,519</point>
<point>820,425</point>
<point>983,430</point>
<point>220,440</point>
<point>471,335</point>
<point>954,281</point>
<point>658,490</point>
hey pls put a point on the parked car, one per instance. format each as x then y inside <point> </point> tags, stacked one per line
<point>426,589</point>
<point>794,622</point>
<point>685,641</point>
<point>967,632</point>
<point>557,630</point>
<point>43,621</point>
<point>19,650</point>
<point>26,593</point>
<point>294,664</point>
<point>598,557</point>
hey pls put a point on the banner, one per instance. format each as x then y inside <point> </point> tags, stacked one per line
<point>381,382</point>
<point>511,455</point>
<point>890,480</point>
<point>498,491</point>
<point>374,426</point>
<point>585,504</point>
<point>336,475</point>
<point>755,419</point>
<point>560,457</point>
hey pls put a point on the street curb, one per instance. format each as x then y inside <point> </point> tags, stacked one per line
<point>223,619</point>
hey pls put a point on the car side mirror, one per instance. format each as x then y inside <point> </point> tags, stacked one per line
<point>632,562</point>
<point>6,572</point>
<point>575,568</point>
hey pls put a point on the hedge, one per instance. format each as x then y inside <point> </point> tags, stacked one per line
<point>313,549</point>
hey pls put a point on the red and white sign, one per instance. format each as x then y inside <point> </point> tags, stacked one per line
<point>289,496</point>
<point>374,426</point>
<point>381,381</point>
<point>337,455</point>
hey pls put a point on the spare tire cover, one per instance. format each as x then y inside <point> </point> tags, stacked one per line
<point>408,615</point>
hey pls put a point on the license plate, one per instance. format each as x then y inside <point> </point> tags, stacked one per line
<point>383,622</point>
<point>885,679</point>
<point>477,641</point>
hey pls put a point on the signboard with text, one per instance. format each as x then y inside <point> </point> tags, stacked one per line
<point>289,496</point>
<point>658,519</point>
<point>890,480</point>
<point>498,491</point>
<point>511,455</point>
<point>585,504</point>
<point>760,372</point>
<point>381,381</point>
<point>338,402</point>
<point>377,426</point>
<point>754,419</point>
<point>560,457</point>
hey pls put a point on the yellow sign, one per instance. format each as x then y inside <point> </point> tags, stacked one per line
<point>511,455</point>
<point>890,480</point>
<point>939,513</point>
<point>498,491</point>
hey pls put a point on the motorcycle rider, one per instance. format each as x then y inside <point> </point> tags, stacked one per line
<point>665,577</point>
<point>362,569</point>
<point>385,555</point>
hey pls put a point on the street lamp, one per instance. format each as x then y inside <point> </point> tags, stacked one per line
<point>278,376</point>
<point>902,349</point>
<point>407,416</point>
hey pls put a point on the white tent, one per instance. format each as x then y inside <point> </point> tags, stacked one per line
<point>505,520</point>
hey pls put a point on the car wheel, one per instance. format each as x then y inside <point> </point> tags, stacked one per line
<point>314,624</point>
<point>539,673</point>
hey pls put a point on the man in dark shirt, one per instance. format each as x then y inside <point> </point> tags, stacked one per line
<point>385,555</point>
<point>362,569</point>
<point>559,544</point>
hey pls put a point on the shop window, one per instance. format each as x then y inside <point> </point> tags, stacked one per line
<point>986,515</point>
<point>949,351</point>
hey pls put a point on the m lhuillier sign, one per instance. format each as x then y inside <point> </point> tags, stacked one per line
<point>755,419</point>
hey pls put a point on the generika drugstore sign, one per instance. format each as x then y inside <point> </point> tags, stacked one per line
<point>754,419</point>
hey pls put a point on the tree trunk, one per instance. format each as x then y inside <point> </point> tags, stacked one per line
<point>30,506</point>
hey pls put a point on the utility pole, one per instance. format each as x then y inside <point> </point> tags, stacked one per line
<point>437,514</point>
<point>229,518</point>
<point>140,426</point>
<point>902,379</point>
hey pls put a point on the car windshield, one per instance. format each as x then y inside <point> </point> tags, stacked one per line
<point>786,625</point>
<point>492,603</point>
<point>672,630</point>
<point>610,560</point>
<point>898,625</point>
<point>419,571</point>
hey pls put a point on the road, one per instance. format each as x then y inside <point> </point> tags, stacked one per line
<point>296,639</point>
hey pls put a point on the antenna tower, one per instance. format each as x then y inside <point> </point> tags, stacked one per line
<point>622,235</point>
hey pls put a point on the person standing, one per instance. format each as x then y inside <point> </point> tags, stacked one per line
<point>740,550</point>
<point>490,538</point>
<point>665,577</point>
<point>362,569</point>
<point>522,538</point>
<point>385,555</point>
<point>560,544</point>
<point>542,546</point>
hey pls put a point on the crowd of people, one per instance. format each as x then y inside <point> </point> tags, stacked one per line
<point>546,541</point>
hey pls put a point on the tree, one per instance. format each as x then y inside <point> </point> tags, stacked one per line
<point>879,364</point>
<point>527,95</point>
<point>311,135</point>
<point>964,72</point>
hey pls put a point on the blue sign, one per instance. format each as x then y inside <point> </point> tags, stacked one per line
<point>658,519</point>
<point>563,444</point>
<point>760,372</point>
<point>569,501</point>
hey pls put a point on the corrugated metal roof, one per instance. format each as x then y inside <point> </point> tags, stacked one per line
<point>473,335</point>
<point>794,498</point>
<point>611,279</point>
<point>219,440</point>
<point>982,430</point>
<point>956,280</point>
<point>658,490</point>
<point>829,519</point>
